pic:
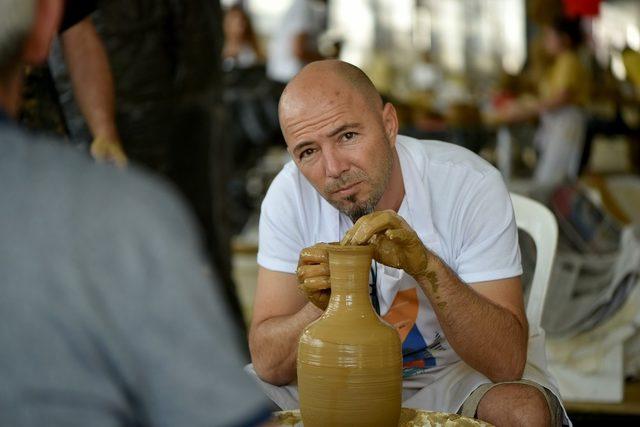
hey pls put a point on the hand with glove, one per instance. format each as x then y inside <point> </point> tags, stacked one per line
<point>108,150</point>
<point>394,241</point>
<point>313,274</point>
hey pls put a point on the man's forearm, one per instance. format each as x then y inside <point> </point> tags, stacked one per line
<point>91,78</point>
<point>488,337</point>
<point>274,344</point>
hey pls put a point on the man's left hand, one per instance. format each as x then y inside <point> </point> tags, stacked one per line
<point>395,243</point>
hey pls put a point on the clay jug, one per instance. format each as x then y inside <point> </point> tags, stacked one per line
<point>350,360</point>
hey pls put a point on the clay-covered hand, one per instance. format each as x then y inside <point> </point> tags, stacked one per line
<point>313,274</point>
<point>108,150</point>
<point>394,241</point>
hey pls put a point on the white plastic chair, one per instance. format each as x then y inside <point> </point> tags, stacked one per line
<point>538,221</point>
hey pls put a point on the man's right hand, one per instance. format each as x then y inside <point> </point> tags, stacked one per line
<point>108,150</point>
<point>313,274</point>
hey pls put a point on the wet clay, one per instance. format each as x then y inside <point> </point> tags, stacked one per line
<point>350,360</point>
<point>408,418</point>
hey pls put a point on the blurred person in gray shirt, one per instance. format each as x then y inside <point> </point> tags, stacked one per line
<point>108,313</point>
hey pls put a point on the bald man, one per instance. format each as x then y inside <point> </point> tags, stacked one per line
<point>447,265</point>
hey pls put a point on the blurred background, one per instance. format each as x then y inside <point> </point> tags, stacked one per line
<point>451,67</point>
<point>473,73</point>
<point>546,90</point>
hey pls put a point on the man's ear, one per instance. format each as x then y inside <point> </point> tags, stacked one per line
<point>390,122</point>
<point>43,30</point>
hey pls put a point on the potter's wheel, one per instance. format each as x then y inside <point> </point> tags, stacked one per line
<point>408,418</point>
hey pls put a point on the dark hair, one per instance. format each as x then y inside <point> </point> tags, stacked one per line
<point>569,27</point>
<point>249,32</point>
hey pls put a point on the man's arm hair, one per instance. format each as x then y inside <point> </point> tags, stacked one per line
<point>280,314</point>
<point>484,322</point>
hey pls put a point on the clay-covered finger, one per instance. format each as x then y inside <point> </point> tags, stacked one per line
<point>386,252</point>
<point>362,221</point>
<point>347,237</point>
<point>313,270</point>
<point>373,224</point>
<point>314,284</point>
<point>346,240</point>
<point>314,254</point>
<point>400,235</point>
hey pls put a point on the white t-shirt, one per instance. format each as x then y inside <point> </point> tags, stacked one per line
<point>455,201</point>
<point>304,16</point>
<point>459,206</point>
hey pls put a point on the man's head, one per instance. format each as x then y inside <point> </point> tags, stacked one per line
<point>340,135</point>
<point>27,28</point>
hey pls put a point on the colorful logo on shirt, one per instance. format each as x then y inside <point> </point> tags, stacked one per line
<point>416,352</point>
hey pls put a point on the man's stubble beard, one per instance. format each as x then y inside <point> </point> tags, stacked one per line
<point>357,210</point>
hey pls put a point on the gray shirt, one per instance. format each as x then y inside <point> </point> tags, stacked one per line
<point>108,316</point>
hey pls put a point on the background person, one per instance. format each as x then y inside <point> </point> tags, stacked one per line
<point>81,54</point>
<point>108,316</point>
<point>166,61</point>
<point>562,93</point>
<point>241,48</point>
<point>295,41</point>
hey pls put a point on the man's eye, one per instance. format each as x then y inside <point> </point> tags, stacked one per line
<point>306,153</point>
<point>349,135</point>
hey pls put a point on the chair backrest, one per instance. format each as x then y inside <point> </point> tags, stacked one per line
<point>538,221</point>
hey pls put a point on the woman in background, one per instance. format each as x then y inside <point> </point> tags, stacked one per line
<point>563,91</point>
<point>241,48</point>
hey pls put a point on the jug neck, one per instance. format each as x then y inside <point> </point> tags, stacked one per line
<point>349,270</point>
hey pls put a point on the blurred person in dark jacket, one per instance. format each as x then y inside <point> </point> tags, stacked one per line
<point>166,59</point>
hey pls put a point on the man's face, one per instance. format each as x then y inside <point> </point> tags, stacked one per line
<point>341,146</point>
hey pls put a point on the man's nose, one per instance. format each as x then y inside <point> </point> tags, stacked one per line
<point>334,164</point>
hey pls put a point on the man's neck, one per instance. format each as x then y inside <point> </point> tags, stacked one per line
<point>11,93</point>
<point>394,194</point>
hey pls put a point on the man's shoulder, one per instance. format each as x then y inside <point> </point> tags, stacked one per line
<point>31,154</point>
<point>289,183</point>
<point>435,157</point>
<point>292,201</point>
<point>37,167</point>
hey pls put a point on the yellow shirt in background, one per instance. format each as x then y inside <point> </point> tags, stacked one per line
<point>631,59</point>
<point>566,74</point>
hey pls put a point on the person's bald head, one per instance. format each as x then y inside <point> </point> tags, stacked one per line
<point>342,137</point>
<point>323,80</point>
